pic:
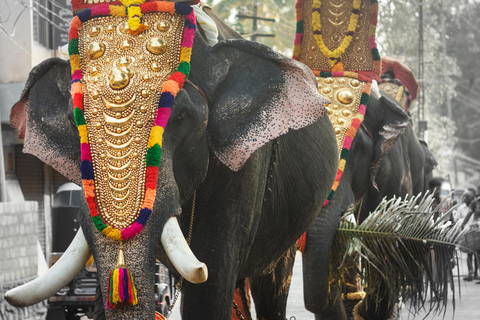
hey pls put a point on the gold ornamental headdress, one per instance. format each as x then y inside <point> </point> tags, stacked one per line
<point>338,35</point>
<point>128,63</point>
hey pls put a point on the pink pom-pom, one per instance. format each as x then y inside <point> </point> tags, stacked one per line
<point>298,38</point>
<point>163,114</point>
<point>188,38</point>
<point>131,231</point>
<point>347,144</point>
<point>100,11</point>
<point>85,152</point>
<point>362,108</point>
<point>77,75</point>
<point>372,43</point>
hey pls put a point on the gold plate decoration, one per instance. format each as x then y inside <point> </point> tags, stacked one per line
<point>121,74</point>
<point>345,94</point>
<point>123,88</point>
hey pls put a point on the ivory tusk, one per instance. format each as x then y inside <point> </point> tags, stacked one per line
<point>180,255</point>
<point>57,277</point>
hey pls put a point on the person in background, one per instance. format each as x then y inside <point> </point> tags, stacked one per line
<point>435,187</point>
<point>464,217</point>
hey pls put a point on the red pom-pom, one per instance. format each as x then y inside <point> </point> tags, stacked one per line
<point>179,78</point>
<point>78,100</point>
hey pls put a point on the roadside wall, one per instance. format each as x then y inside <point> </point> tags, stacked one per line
<point>18,256</point>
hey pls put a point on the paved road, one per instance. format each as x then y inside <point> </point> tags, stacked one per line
<point>467,307</point>
<point>467,299</point>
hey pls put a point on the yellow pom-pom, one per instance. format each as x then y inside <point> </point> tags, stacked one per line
<point>156,136</point>
<point>82,131</point>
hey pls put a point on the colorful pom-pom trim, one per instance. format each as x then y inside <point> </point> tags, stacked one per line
<point>169,91</point>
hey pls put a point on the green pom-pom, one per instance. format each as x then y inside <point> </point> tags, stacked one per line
<point>364,99</point>
<point>325,74</point>
<point>299,26</point>
<point>375,54</point>
<point>184,67</point>
<point>330,195</point>
<point>153,155</point>
<point>344,154</point>
<point>73,46</point>
<point>79,117</point>
<point>99,223</point>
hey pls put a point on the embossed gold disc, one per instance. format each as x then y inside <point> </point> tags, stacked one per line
<point>121,93</point>
<point>345,94</point>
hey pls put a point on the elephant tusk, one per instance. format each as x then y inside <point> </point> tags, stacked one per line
<point>180,255</point>
<point>57,277</point>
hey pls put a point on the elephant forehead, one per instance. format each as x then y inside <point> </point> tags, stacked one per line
<point>123,75</point>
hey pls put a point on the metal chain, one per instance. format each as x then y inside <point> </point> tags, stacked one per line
<point>237,311</point>
<point>178,286</point>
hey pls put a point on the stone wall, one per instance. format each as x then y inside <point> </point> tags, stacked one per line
<point>18,256</point>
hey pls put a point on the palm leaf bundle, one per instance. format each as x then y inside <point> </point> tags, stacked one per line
<point>400,247</point>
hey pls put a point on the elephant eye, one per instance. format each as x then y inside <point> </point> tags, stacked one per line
<point>182,115</point>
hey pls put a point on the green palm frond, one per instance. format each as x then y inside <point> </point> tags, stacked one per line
<point>400,246</point>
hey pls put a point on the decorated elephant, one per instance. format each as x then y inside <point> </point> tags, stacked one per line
<point>380,155</point>
<point>367,179</point>
<point>247,155</point>
<point>386,160</point>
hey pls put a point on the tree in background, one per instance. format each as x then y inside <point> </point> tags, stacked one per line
<point>283,11</point>
<point>464,43</point>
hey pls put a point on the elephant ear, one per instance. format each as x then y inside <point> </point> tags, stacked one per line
<point>256,95</point>
<point>393,125</point>
<point>41,118</point>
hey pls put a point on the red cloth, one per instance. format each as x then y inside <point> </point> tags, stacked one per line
<point>238,300</point>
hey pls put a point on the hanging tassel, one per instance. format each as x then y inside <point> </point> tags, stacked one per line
<point>121,290</point>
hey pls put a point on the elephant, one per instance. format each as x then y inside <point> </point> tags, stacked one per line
<point>386,159</point>
<point>248,158</point>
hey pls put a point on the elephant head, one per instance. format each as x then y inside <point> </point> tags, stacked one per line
<point>246,125</point>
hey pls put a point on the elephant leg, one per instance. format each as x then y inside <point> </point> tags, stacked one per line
<point>270,291</point>
<point>318,299</point>
<point>210,300</point>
